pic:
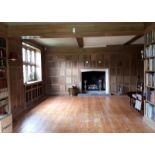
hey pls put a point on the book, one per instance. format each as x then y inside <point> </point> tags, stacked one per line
<point>138,105</point>
<point>149,109</point>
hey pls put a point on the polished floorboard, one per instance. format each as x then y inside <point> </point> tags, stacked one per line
<point>66,114</point>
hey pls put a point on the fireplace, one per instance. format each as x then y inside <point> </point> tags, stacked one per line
<point>95,80</point>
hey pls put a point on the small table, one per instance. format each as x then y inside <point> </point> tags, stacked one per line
<point>73,91</point>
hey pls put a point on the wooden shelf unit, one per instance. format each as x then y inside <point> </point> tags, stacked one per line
<point>33,92</point>
<point>5,107</point>
<point>149,77</point>
<point>137,98</point>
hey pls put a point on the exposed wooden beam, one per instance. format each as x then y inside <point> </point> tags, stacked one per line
<point>51,30</point>
<point>133,39</point>
<point>33,43</point>
<point>80,42</point>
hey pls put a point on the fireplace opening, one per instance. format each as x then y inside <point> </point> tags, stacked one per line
<point>93,81</point>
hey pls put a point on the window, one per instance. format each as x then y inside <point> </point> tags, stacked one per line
<point>32,70</point>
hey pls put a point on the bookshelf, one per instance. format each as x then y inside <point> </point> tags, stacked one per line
<point>137,98</point>
<point>149,76</point>
<point>5,109</point>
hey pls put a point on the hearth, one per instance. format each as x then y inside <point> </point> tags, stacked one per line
<point>95,80</point>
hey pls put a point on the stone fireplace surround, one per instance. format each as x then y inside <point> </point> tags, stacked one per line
<point>107,86</point>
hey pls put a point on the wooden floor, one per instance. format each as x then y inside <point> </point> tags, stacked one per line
<point>82,114</point>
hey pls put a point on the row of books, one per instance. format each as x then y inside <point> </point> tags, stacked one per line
<point>150,96</point>
<point>149,51</point>
<point>150,79</point>
<point>150,64</point>
<point>3,93</point>
<point>3,102</point>
<point>149,37</point>
<point>2,42</point>
<point>2,53</point>
<point>150,111</point>
<point>3,83</point>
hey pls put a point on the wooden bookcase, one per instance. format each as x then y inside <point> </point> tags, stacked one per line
<point>5,108</point>
<point>149,76</point>
<point>137,98</point>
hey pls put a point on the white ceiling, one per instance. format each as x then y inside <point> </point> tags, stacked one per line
<point>89,41</point>
<point>106,40</point>
<point>57,41</point>
<point>139,41</point>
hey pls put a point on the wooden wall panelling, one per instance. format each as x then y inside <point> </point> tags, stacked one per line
<point>3,30</point>
<point>75,71</point>
<point>113,73</point>
<point>68,69</point>
<point>100,63</point>
<point>139,71</point>
<point>126,75</point>
<point>118,62</point>
<point>88,61</point>
<point>133,78</point>
<point>93,60</point>
<point>16,77</point>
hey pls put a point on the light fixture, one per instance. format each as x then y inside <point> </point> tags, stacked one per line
<point>13,56</point>
<point>73,30</point>
<point>87,62</point>
<point>142,54</point>
<point>99,61</point>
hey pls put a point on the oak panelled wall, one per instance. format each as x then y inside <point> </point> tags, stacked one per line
<point>17,87</point>
<point>3,30</point>
<point>63,65</point>
<point>16,76</point>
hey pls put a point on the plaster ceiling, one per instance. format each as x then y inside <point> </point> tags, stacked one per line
<point>88,41</point>
<point>91,41</point>
<point>139,41</point>
<point>57,41</point>
<point>106,40</point>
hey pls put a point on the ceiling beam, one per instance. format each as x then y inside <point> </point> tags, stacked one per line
<point>33,43</point>
<point>80,42</point>
<point>133,39</point>
<point>56,30</point>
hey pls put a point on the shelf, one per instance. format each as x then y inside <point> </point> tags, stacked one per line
<point>3,104</point>
<point>150,102</point>
<point>2,68</point>
<point>149,122</point>
<point>32,82</point>
<point>4,58</point>
<point>3,48</point>
<point>150,71</point>
<point>3,98</point>
<point>152,43</point>
<point>150,87</point>
<point>152,57</point>
<point>4,116</point>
